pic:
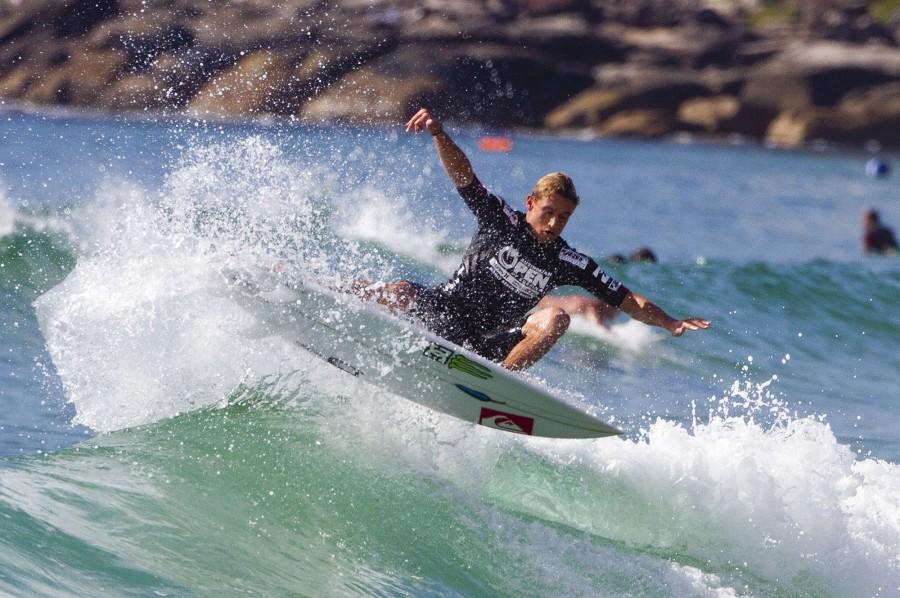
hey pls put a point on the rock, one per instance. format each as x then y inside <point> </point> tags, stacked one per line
<point>643,67</point>
<point>77,17</point>
<point>320,69</point>
<point>552,7</point>
<point>133,93</point>
<point>248,87</point>
<point>708,113</point>
<point>687,46</point>
<point>183,73</point>
<point>639,123</point>
<point>867,115</point>
<point>80,80</point>
<point>566,37</point>
<point>818,74</point>
<point>480,82</point>
<point>650,98</point>
<point>169,83</point>
<point>143,49</point>
<point>366,96</point>
<point>726,114</point>
<point>848,23</point>
<point>873,102</point>
<point>16,83</point>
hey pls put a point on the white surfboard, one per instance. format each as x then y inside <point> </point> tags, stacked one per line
<point>367,341</point>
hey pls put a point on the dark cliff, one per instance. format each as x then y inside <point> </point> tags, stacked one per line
<point>828,70</point>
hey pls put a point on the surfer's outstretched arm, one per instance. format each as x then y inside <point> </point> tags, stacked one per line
<point>642,309</point>
<point>455,162</point>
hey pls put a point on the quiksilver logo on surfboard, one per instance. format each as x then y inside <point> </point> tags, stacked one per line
<point>509,422</point>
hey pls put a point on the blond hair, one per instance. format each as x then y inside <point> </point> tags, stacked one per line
<point>556,182</point>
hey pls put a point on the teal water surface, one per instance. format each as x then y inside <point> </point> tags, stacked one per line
<point>157,439</point>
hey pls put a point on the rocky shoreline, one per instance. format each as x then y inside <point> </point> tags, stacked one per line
<point>645,68</point>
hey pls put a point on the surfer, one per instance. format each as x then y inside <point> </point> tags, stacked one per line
<point>877,238</point>
<point>514,259</point>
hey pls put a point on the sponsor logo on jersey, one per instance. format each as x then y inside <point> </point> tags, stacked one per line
<point>573,257</point>
<point>611,283</point>
<point>457,361</point>
<point>518,274</point>
<point>510,213</point>
<point>506,421</point>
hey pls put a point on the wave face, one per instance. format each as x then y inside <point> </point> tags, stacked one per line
<point>162,438</point>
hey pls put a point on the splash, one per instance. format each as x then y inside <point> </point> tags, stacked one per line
<point>393,223</point>
<point>762,497</point>
<point>144,327</point>
<point>630,335</point>
<point>7,215</point>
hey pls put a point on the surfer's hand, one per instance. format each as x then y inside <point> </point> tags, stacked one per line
<point>423,121</point>
<point>680,326</point>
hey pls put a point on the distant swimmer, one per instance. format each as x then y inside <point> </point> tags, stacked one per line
<point>643,254</point>
<point>514,259</point>
<point>877,168</point>
<point>877,238</point>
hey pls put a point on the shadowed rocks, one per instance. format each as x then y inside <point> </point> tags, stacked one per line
<point>643,68</point>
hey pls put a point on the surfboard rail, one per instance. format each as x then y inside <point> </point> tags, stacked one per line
<point>366,341</point>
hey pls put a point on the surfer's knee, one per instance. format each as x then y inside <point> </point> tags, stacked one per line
<point>400,294</point>
<point>550,322</point>
<point>560,321</point>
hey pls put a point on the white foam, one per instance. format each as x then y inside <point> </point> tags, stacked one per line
<point>7,214</point>
<point>144,327</point>
<point>370,215</point>
<point>782,504</point>
<point>629,335</point>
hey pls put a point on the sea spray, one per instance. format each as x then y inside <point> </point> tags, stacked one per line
<point>783,500</point>
<point>372,215</point>
<point>7,214</point>
<point>144,327</point>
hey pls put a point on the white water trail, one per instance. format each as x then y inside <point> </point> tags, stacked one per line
<point>7,214</point>
<point>780,504</point>
<point>144,327</point>
<point>391,222</point>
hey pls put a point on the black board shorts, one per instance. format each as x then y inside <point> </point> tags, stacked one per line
<point>448,323</point>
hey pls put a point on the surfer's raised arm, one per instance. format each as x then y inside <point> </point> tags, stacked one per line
<point>455,162</point>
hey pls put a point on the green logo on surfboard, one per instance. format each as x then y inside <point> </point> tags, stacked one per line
<point>456,361</point>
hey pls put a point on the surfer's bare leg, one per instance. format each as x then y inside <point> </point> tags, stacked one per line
<point>396,296</point>
<point>542,329</point>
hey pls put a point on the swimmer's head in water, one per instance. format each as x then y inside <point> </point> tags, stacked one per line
<point>643,254</point>
<point>870,217</point>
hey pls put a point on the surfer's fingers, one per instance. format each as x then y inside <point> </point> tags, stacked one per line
<point>695,323</point>
<point>412,121</point>
<point>418,120</point>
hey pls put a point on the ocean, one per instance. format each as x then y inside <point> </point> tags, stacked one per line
<point>157,439</point>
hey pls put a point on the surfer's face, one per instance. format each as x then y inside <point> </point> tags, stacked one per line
<point>547,215</point>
